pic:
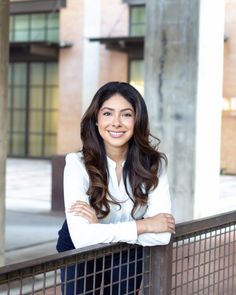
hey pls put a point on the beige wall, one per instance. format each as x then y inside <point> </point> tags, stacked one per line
<point>114,22</point>
<point>73,76</point>
<point>228,140</point>
<point>229,88</point>
<point>228,129</point>
<point>70,77</point>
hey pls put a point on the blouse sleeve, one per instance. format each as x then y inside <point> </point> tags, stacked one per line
<point>83,233</point>
<point>158,202</point>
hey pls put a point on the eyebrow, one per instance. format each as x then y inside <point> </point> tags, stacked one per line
<point>122,110</point>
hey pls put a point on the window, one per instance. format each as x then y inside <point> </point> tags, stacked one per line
<point>33,109</point>
<point>137,20</point>
<point>136,74</point>
<point>34,27</point>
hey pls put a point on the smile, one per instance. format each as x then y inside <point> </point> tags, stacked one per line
<point>115,134</point>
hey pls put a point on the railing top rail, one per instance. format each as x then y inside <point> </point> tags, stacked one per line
<point>204,224</point>
<point>56,260</point>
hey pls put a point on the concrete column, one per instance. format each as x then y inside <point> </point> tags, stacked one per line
<point>183,80</point>
<point>4,53</point>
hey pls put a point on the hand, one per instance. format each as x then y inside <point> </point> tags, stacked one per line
<point>163,222</point>
<point>84,210</point>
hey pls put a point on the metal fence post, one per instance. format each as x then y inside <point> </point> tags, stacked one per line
<point>160,266</point>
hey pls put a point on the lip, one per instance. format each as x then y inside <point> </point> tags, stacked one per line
<point>116,134</point>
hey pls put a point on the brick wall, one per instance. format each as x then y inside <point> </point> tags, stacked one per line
<point>228,143</point>
<point>228,133</point>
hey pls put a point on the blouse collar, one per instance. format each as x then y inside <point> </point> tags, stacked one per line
<point>112,164</point>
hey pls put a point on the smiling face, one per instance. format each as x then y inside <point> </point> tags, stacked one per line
<point>116,123</point>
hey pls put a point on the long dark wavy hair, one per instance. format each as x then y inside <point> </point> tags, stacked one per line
<point>143,158</point>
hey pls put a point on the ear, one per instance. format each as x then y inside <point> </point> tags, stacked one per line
<point>96,123</point>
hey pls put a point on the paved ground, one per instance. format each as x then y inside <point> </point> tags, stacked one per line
<point>31,229</point>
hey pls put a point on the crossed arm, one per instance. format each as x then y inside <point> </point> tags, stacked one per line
<point>154,229</point>
<point>159,223</point>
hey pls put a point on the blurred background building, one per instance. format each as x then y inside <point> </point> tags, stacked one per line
<point>61,51</point>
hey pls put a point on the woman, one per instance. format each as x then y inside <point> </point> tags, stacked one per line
<point>116,187</point>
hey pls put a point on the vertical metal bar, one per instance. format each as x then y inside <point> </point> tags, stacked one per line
<point>120,270</point>
<point>161,266</point>
<point>176,264</point>
<point>233,258</point>
<point>146,271</point>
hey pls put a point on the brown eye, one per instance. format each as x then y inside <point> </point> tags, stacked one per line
<point>107,114</point>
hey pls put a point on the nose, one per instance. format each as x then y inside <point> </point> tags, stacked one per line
<point>116,121</point>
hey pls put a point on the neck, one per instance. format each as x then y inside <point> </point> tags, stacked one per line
<point>118,155</point>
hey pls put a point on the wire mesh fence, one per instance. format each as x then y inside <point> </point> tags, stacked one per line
<point>204,261</point>
<point>201,259</point>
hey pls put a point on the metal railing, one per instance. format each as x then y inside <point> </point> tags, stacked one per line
<point>201,259</point>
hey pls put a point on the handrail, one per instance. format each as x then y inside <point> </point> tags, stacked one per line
<point>203,224</point>
<point>158,260</point>
<point>182,229</point>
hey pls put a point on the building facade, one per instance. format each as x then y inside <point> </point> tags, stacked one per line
<point>62,51</point>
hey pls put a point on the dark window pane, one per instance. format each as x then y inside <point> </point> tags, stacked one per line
<point>38,35</point>
<point>18,144</point>
<point>137,74</point>
<point>51,122</point>
<point>18,121</point>
<point>53,35</point>
<point>21,22</point>
<point>35,145</point>
<point>36,121</point>
<point>52,74</point>
<point>50,145</point>
<point>36,73</point>
<point>19,74</point>
<point>19,97</point>
<point>137,21</point>
<point>38,21</point>
<point>36,98</point>
<point>52,98</point>
<point>53,20</point>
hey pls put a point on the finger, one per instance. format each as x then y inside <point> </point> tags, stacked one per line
<point>78,206</point>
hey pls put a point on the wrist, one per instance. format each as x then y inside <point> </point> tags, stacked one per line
<point>142,226</point>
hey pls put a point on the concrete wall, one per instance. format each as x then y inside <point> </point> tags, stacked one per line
<point>183,88</point>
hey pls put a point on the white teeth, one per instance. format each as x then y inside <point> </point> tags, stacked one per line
<point>116,134</point>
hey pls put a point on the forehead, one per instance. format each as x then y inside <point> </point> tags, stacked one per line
<point>117,102</point>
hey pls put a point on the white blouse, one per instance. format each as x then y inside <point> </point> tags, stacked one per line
<point>118,226</point>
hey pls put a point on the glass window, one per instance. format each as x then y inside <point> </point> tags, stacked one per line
<point>35,145</point>
<point>36,73</point>
<point>50,145</point>
<point>18,144</point>
<point>33,109</point>
<point>52,98</point>
<point>18,121</point>
<point>38,25</point>
<point>52,74</point>
<point>51,122</point>
<point>36,121</point>
<point>19,73</point>
<point>137,20</point>
<point>36,98</point>
<point>34,27</point>
<point>19,95</point>
<point>21,27</point>
<point>136,77</point>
